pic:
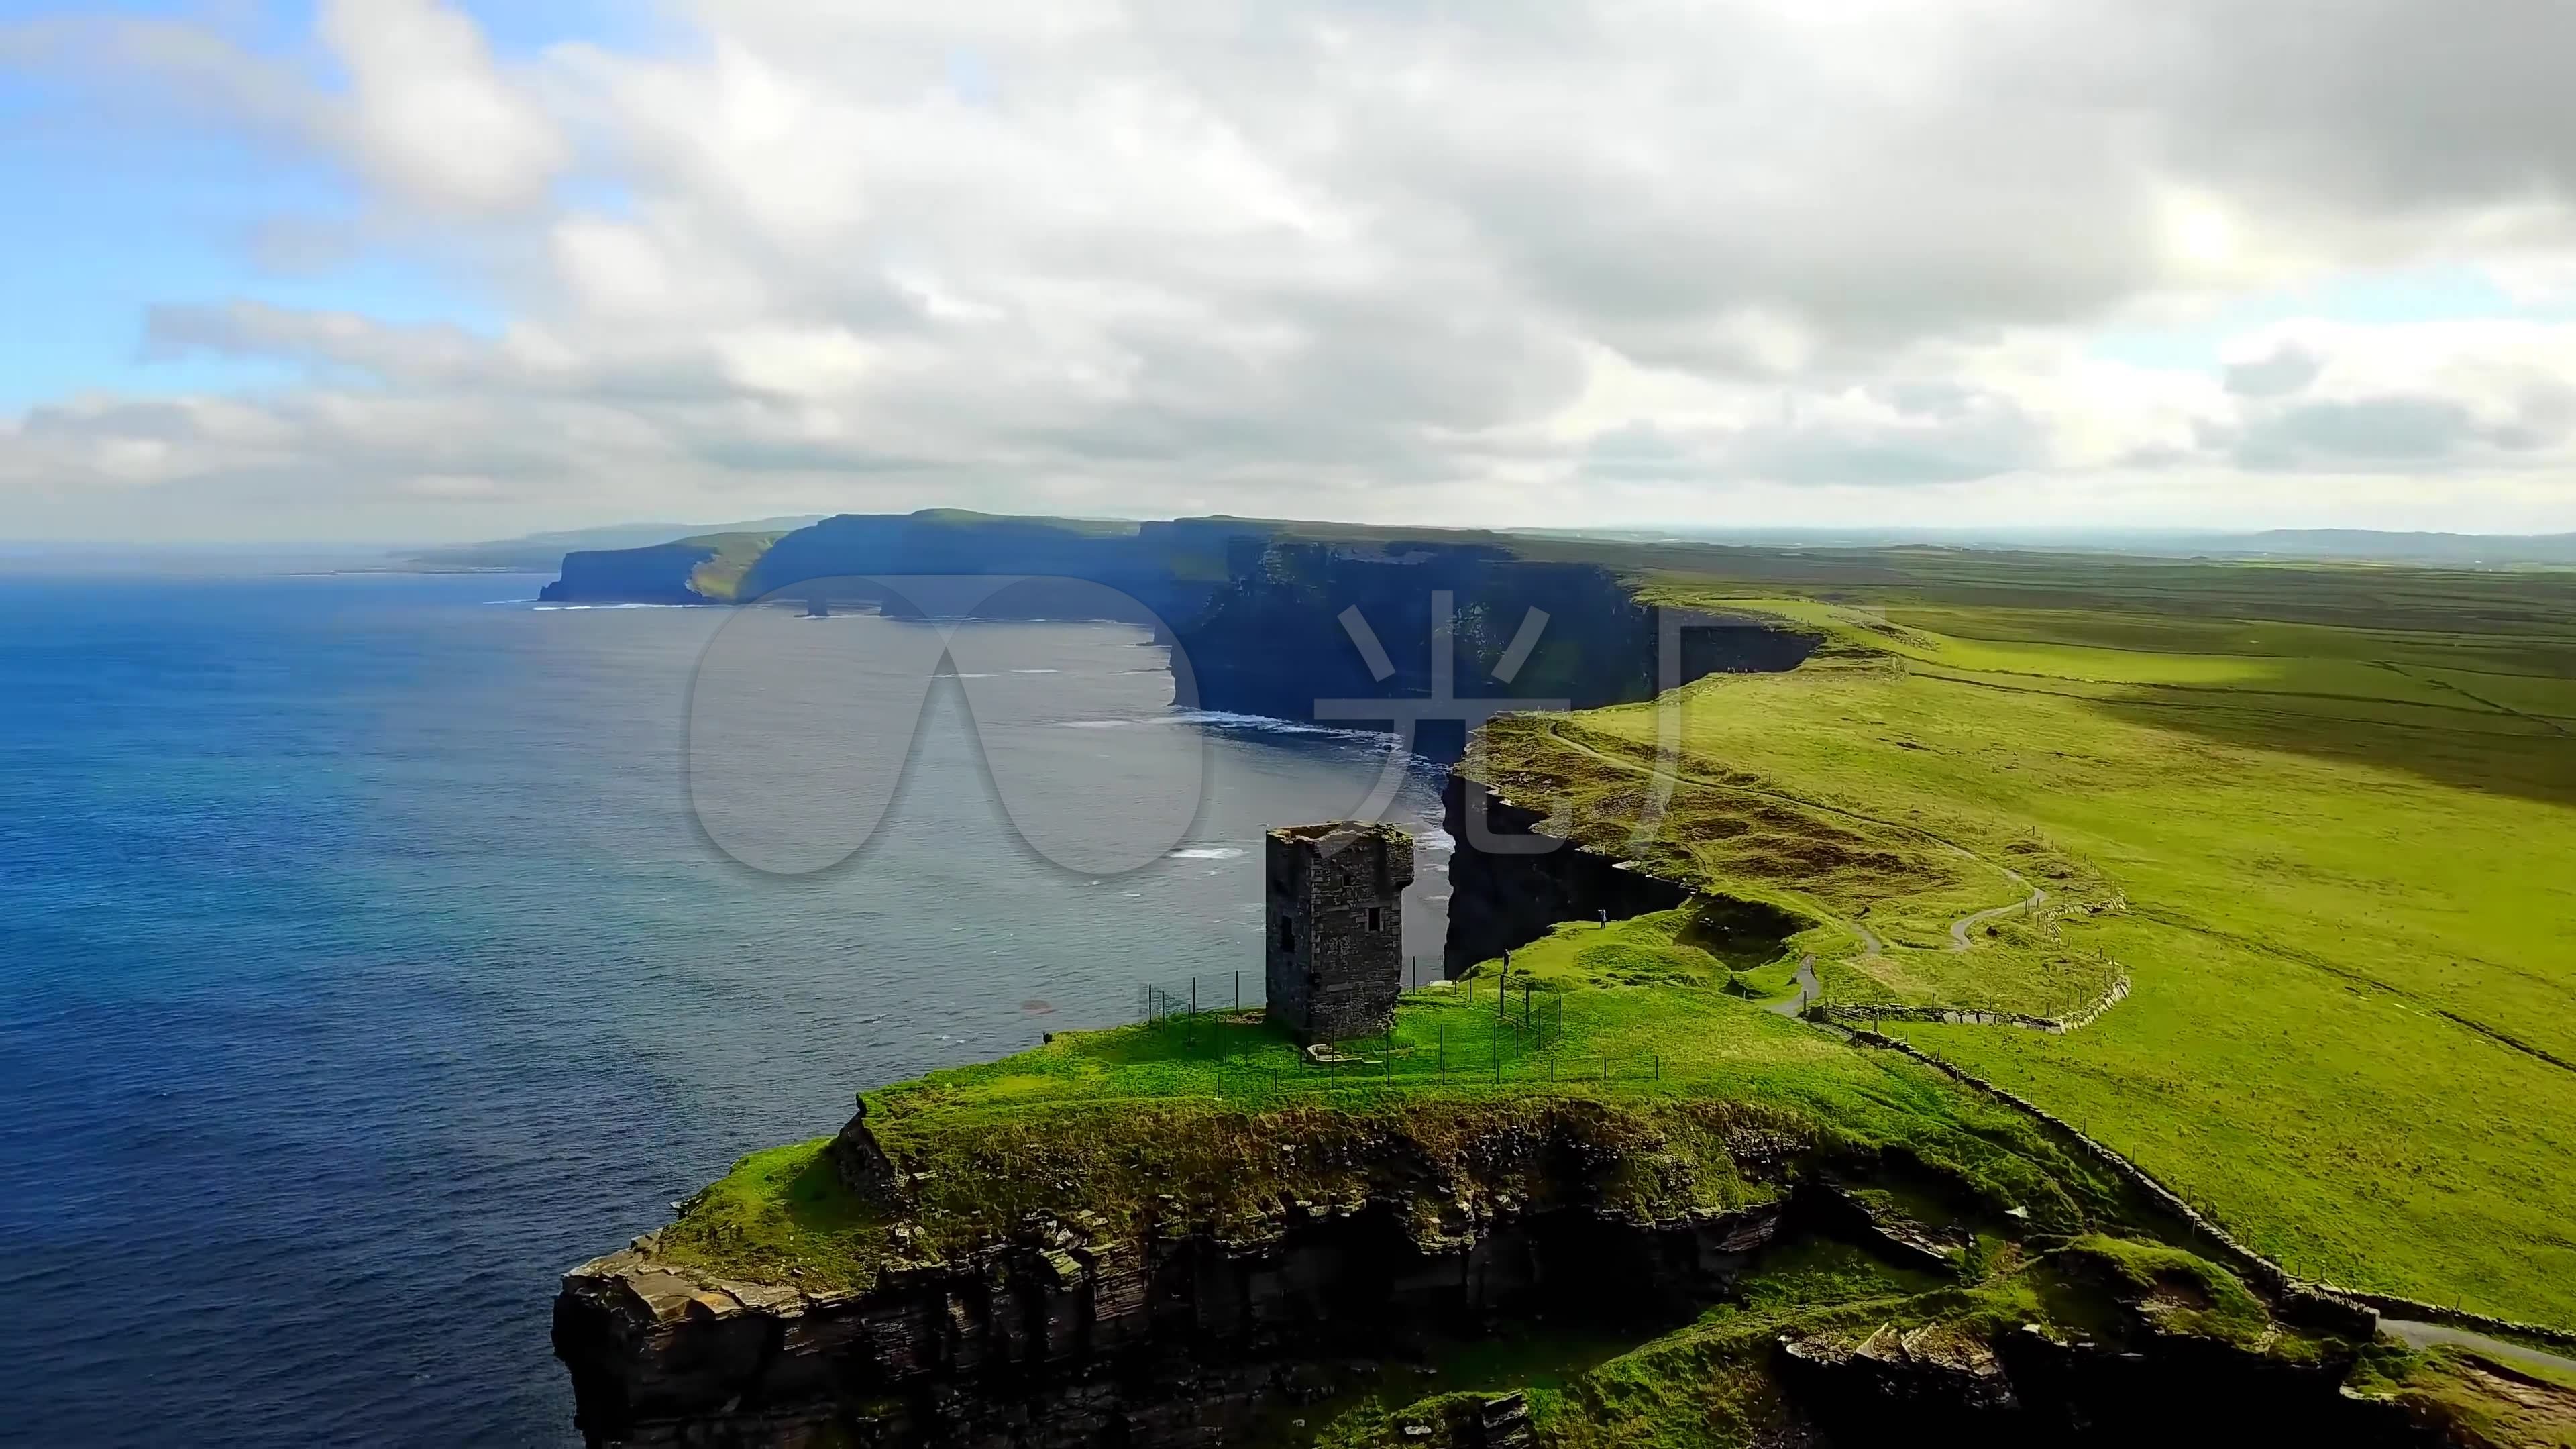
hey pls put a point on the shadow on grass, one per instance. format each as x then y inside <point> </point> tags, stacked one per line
<point>2539,764</point>
<point>816,1200</point>
<point>1742,934</point>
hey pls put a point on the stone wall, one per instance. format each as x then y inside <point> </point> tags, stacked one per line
<point>2336,1307</point>
<point>1333,953</point>
<point>1978,1016</point>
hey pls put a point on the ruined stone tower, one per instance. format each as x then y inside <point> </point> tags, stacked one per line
<point>1335,952</point>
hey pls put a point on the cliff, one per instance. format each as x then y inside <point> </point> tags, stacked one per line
<point>1168,1321</point>
<point>1501,898</point>
<point>1075,1329</point>
<point>1168,570</point>
<point>659,574</point>
<point>1279,639</point>
<point>1260,612</point>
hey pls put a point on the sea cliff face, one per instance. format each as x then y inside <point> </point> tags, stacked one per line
<point>1067,1334</point>
<point>1301,624</point>
<point>1070,1333</point>
<point>659,574</point>
<point>1510,881</point>
<point>1263,621</point>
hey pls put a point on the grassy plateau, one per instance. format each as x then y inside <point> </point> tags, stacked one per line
<point>2330,854</point>
<point>2292,844</point>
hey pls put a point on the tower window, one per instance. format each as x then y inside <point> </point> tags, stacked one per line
<point>1287,934</point>
<point>1373,925</point>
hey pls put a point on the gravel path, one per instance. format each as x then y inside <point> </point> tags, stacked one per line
<point>1960,928</point>
<point>1809,989</point>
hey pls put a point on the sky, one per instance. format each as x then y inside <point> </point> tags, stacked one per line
<point>429,270</point>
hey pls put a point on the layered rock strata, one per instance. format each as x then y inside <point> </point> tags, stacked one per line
<point>1066,1337</point>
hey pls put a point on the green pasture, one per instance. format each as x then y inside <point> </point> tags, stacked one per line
<point>1222,1112</point>
<point>2341,884</point>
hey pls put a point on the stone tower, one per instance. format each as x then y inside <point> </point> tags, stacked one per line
<point>1335,952</point>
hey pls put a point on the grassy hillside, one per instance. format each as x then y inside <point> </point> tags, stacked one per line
<point>2321,820</point>
<point>1223,1112</point>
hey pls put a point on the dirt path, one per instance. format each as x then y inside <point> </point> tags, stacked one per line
<point>2415,1334</point>
<point>1960,928</point>
<point>1809,990</point>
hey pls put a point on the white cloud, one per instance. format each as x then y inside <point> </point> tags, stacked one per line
<point>429,113</point>
<point>1506,263</point>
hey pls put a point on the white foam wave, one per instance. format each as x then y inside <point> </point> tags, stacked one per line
<point>1221,719</point>
<point>1268,724</point>
<point>1204,852</point>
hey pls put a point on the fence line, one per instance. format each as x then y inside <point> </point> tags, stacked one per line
<point>1234,990</point>
<point>1977,1016</point>
<point>1519,1041</point>
<point>2245,1259</point>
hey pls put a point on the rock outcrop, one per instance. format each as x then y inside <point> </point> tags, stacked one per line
<point>2031,1386</point>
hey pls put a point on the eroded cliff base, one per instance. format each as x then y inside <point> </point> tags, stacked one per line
<point>1533,1272</point>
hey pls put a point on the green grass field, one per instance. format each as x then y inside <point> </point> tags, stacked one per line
<point>2330,853</point>
<point>1202,1107</point>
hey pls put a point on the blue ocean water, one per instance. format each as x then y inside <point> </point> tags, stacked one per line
<point>362,966</point>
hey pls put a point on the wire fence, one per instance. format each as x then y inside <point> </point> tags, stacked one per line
<point>1507,1030</point>
<point>1237,990</point>
<point>1463,1067</point>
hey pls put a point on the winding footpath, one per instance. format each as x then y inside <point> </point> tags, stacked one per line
<point>2416,1334</point>
<point>1809,990</point>
<point>1960,928</point>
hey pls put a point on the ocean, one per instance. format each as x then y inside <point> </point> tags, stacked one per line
<point>375,947</point>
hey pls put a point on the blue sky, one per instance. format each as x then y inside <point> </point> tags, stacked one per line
<point>455,269</point>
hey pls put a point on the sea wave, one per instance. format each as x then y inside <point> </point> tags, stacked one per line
<point>1204,852</point>
<point>1231,722</point>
